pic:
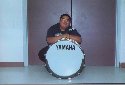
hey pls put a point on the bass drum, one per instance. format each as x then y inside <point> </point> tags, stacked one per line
<point>65,59</point>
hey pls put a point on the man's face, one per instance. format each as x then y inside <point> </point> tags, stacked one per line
<point>64,22</point>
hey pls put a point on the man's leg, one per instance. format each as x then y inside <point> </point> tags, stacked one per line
<point>42,53</point>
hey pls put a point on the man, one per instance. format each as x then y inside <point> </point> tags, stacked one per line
<point>59,31</point>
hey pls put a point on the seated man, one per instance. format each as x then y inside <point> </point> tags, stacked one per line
<point>59,31</point>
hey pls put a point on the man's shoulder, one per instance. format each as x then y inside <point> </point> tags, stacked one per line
<point>55,26</point>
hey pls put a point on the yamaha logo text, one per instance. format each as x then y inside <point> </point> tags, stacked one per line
<point>65,47</point>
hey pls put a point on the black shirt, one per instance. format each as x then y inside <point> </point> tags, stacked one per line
<point>56,31</point>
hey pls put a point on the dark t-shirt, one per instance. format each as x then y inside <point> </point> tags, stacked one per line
<point>56,31</point>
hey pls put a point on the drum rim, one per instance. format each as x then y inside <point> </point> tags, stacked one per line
<point>65,77</point>
<point>72,75</point>
<point>73,41</point>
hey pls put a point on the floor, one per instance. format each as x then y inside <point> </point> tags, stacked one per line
<point>39,75</point>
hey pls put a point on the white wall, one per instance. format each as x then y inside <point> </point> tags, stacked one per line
<point>11,31</point>
<point>120,29</point>
<point>25,33</point>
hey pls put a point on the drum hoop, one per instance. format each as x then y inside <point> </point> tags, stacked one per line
<point>72,75</point>
<point>65,77</point>
<point>73,41</point>
<point>64,39</point>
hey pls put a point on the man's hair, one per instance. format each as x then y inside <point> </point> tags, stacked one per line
<point>66,15</point>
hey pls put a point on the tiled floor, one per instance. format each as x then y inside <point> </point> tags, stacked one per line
<point>39,75</point>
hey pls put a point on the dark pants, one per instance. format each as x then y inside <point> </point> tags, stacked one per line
<point>42,53</point>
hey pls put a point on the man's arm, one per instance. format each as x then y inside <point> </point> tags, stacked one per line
<point>76,38</point>
<point>52,40</point>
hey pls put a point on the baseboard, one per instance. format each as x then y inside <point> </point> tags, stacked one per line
<point>122,65</point>
<point>11,64</point>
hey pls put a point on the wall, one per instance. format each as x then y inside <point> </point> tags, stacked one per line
<point>41,15</point>
<point>94,19</point>
<point>120,51</point>
<point>11,31</point>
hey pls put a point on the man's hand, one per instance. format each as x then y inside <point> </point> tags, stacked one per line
<point>66,36</point>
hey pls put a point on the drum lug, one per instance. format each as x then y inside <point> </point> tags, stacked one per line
<point>84,65</point>
<point>78,73</point>
<point>69,78</point>
<point>44,65</point>
<point>50,73</point>
<point>60,78</point>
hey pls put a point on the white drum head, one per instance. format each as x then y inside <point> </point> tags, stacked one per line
<point>64,58</point>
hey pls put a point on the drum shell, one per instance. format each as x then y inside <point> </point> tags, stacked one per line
<point>73,63</point>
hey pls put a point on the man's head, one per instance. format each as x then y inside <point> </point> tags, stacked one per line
<point>65,21</point>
